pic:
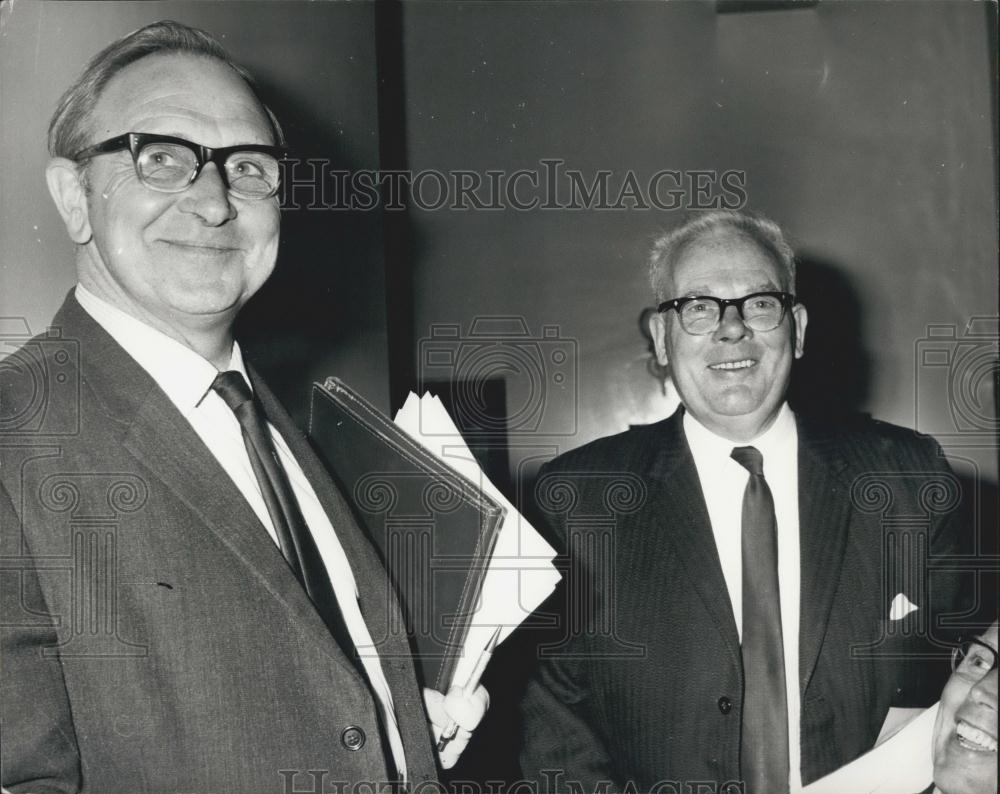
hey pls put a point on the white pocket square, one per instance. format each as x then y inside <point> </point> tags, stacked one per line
<point>900,607</point>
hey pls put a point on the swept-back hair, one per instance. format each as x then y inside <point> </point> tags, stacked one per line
<point>68,129</point>
<point>668,248</point>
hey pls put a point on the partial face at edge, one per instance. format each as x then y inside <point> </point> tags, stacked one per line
<point>734,380</point>
<point>182,260</point>
<point>965,733</point>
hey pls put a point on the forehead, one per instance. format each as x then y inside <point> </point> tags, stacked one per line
<point>188,95</point>
<point>725,261</point>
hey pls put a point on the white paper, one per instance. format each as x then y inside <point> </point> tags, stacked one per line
<point>902,764</point>
<point>520,575</point>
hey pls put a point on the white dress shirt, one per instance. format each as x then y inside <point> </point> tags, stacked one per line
<point>723,482</point>
<point>187,378</point>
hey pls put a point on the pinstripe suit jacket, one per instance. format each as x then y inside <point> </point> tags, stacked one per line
<point>154,640</point>
<point>644,683</point>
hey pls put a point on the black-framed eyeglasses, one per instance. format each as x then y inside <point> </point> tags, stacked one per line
<point>973,659</point>
<point>170,164</point>
<point>702,314</point>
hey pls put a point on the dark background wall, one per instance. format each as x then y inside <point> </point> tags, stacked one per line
<point>865,129</point>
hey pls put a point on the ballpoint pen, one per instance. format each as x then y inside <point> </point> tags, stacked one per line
<point>470,685</point>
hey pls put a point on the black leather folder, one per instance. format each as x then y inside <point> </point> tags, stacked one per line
<point>435,528</point>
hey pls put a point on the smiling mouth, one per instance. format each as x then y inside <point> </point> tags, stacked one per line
<point>744,363</point>
<point>207,247</point>
<point>972,738</point>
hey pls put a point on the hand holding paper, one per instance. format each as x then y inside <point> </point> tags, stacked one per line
<point>457,708</point>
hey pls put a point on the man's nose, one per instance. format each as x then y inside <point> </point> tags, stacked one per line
<point>208,198</point>
<point>731,327</point>
<point>985,691</point>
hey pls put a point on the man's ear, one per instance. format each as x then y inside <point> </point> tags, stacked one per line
<point>67,189</point>
<point>658,332</point>
<point>800,320</point>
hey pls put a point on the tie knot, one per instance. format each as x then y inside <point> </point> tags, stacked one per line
<point>750,459</point>
<point>233,388</point>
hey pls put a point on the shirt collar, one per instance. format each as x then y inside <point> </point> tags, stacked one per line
<point>184,376</point>
<point>773,441</point>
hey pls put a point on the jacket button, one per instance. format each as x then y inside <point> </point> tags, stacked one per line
<point>353,738</point>
<point>725,705</point>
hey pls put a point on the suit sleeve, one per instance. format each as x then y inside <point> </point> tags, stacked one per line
<point>39,748</point>
<point>560,744</point>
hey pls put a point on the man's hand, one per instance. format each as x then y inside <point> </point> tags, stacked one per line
<point>457,708</point>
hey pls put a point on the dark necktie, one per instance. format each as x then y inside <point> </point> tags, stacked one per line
<point>764,743</point>
<point>294,538</point>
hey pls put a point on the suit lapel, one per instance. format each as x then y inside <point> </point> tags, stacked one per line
<point>824,518</point>
<point>176,455</point>
<point>677,501</point>
<point>162,441</point>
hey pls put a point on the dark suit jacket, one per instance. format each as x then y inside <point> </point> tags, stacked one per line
<point>646,683</point>
<point>154,640</point>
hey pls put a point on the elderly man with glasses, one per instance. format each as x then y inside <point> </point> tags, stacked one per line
<point>188,604</point>
<point>749,614</point>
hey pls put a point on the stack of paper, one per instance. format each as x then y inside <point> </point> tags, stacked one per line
<point>520,575</point>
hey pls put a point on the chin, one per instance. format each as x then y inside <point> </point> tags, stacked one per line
<point>964,784</point>
<point>207,302</point>
<point>747,399</point>
<point>957,776</point>
<point>736,404</point>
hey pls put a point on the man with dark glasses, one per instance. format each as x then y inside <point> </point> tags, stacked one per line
<point>203,613</point>
<point>752,614</point>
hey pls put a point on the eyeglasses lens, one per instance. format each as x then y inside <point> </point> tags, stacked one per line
<point>972,660</point>
<point>760,312</point>
<point>252,174</point>
<point>169,167</point>
<point>166,166</point>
